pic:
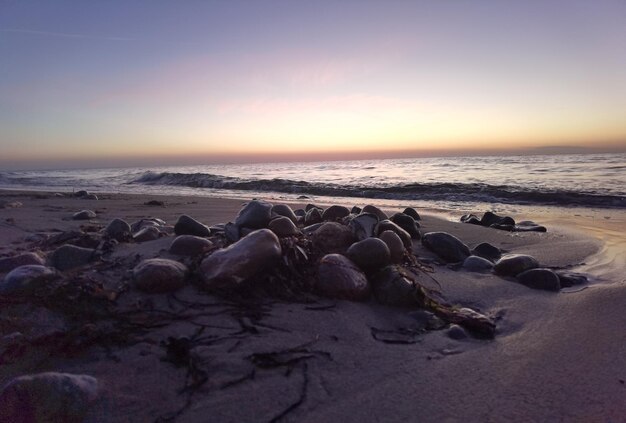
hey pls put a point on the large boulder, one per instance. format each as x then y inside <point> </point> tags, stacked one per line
<point>9,263</point>
<point>514,264</point>
<point>446,246</point>
<point>186,225</point>
<point>156,276</point>
<point>119,230</point>
<point>340,278</point>
<point>255,215</point>
<point>70,256</point>
<point>544,279</point>
<point>391,286</point>
<point>189,245</point>
<point>370,254</point>
<point>332,237</point>
<point>24,280</point>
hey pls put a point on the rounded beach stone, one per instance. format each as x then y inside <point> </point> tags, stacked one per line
<point>332,237</point>
<point>446,246</point>
<point>313,216</point>
<point>392,287</point>
<point>84,215</point>
<point>240,261</point>
<point>568,279</point>
<point>189,245</point>
<point>338,277</point>
<point>23,280</point>
<point>312,206</point>
<point>119,230</point>
<point>407,223</point>
<point>149,233</point>
<point>363,226</point>
<point>335,212</point>
<point>514,264</point>
<point>490,218</point>
<point>284,210</point>
<point>255,215</point>
<point>388,225</point>
<point>487,251</point>
<point>471,219</point>
<point>283,226</point>
<point>158,275</point>
<point>299,212</point>
<point>410,211</point>
<point>81,193</point>
<point>186,225</point>
<point>477,264</point>
<point>370,254</point>
<point>144,223</point>
<point>9,263</point>
<point>529,226</point>
<point>70,256</point>
<point>395,245</point>
<point>48,397</point>
<point>355,210</point>
<point>375,210</point>
<point>456,332</point>
<point>544,279</point>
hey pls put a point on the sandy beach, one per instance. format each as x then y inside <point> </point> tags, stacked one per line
<point>555,356</point>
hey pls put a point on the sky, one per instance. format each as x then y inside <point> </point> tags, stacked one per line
<point>164,82</point>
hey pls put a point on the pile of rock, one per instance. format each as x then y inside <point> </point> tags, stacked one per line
<point>505,223</point>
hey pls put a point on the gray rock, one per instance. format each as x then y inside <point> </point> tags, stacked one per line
<point>186,225</point>
<point>149,233</point>
<point>363,226</point>
<point>232,232</point>
<point>514,264</point>
<point>340,278</point>
<point>544,279</point>
<point>119,230</point>
<point>24,280</point>
<point>190,245</point>
<point>375,210</point>
<point>490,218</point>
<point>284,210</point>
<point>410,211</point>
<point>334,213</point>
<point>70,256</point>
<point>471,219</point>
<point>156,276</point>
<point>299,212</point>
<point>456,332</point>
<point>9,263</point>
<point>332,237</point>
<point>370,254</point>
<point>487,251</point>
<point>446,246</point>
<point>395,245</point>
<point>144,223</point>
<point>355,210</point>
<point>312,228</point>
<point>313,216</point>
<point>84,215</point>
<point>48,397</point>
<point>81,193</point>
<point>246,258</point>
<point>477,264</point>
<point>255,215</point>
<point>569,279</point>
<point>529,226</point>
<point>388,225</point>
<point>312,206</point>
<point>407,223</point>
<point>283,227</point>
<point>391,286</point>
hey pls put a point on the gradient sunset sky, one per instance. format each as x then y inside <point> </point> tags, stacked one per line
<point>122,82</point>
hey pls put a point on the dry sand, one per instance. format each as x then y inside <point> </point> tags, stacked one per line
<point>555,356</point>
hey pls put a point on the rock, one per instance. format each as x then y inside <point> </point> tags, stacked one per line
<point>529,226</point>
<point>446,246</point>
<point>375,210</point>
<point>370,254</point>
<point>284,210</point>
<point>9,263</point>
<point>340,278</point>
<point>84,215</point>
<point>90,197</point>
<point>81,193</point>
<point>119,230</point>
<point>427,320</point>
<point>410,211</point>
<point>355,210</point>
<point>190,245</point>
<point>24,280</point>
<point>283,226</point>
<point>332,237</point>
<point>490,218</point>
<point>246,258</point>
<point>392,287</point>
<point>477,264</point>
<point>487,251</point>
<point>144,223</point>
<point>395,245</point>
<point>232,232</point>
<point>217,228</point>
<point>186,225</point>
<point>471,219</point>
<point>456,332</point>
<point>149,233</point>
<point>48,397</point>
<point>310,229</point>
<point>388,225</point>
<point>569,279</point>
<point>70,256</point>
<point>313,216</point>
<point>334,213</point>
<point>503,227</point>
<point>514,264</point>
<point>544,279</point>
<point>312,206</point>
<point>156,203</point>
<point>407,223</point>
<point>363,226</point>
<point>157,276</point>
<point>299,212</point>
<point>255,215</point>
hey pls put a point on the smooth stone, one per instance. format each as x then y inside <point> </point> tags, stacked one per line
<point>407,223</point>
<point>490,218</point>
<point>312,228</point>
<point>569,279</point>
<point>157,276</point>
<point>529,226</point>
<point>70,256</point>
<point>186,225</point>
<point>283,226</point>
<point>242,260</point>
<point>339,277</point>
<point>312,206</point>
<point>81,193</point>
<point>388,225</point>
<point>446,246</point>
<point>284,210</point>
<point>370,254</point>
<point>299,212</point>
<point>48,397</point>
<point>334,213</point>
<point>544,279</point>
<point>363,226</point>
<point>477,264</point>
<point>332,237</point>
<point>487,251</point>
<point>189,245</point>
<point>456,332</point>
<point>149,233</point>
<point>503,227</point>
<point>23,280</point>
<point>218,227</point>
<point>395,245</point>
<point>471,219</point>
<point>355,210</point>
<point>514,264</point>
<point>9,263</point>
<point>232,232</point>
<point>375,210</point>
<point>255,215</point>
<point>84,215</point>
<point>313,216</point>
<point>144,223</point>
<point>392,287</point>
<point>119,230</point>
<point>156,203</point>
<point>410,211</point>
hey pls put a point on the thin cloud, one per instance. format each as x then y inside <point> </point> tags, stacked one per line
<point>65,35</point>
